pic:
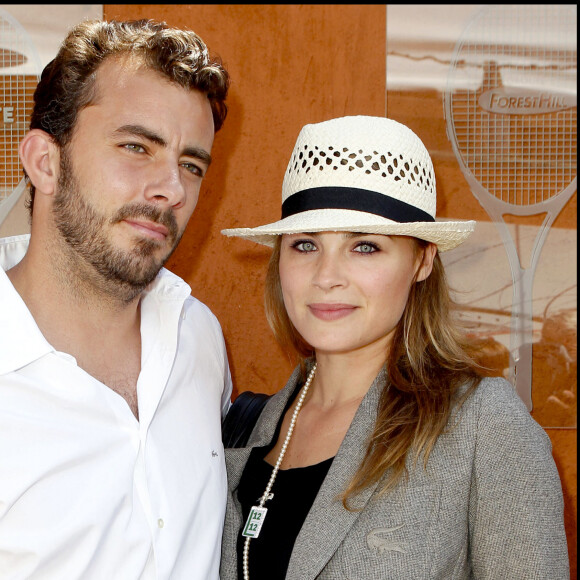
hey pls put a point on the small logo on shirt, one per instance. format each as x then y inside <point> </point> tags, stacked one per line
<point>213,453</point>
<point>377,541</point>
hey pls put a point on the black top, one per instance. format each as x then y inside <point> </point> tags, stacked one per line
<point>294,493</point>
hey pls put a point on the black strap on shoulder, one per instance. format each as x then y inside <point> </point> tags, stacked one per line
<point>241,418</point>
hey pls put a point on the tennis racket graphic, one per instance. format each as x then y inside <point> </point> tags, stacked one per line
<point>19,75</point>
<point>510,109</point>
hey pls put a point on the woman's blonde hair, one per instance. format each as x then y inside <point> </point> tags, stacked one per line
<point>427,364</point>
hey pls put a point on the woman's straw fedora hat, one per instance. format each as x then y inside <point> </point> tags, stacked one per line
<point>360,174</point>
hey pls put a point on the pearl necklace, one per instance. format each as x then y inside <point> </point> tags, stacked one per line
<point>258,513</point>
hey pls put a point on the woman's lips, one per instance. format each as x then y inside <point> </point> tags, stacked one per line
<point>331,311</point>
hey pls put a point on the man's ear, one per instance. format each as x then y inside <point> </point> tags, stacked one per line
<point>427,263</point>
<point>40,157</point>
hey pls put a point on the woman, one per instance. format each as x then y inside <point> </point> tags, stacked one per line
<point>386,455</point>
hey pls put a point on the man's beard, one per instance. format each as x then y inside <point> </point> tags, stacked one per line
<point>83,228</point>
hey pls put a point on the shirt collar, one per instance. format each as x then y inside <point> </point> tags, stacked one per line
<point>166,286</point>
<point>12,250</point>
<point>21,341</point>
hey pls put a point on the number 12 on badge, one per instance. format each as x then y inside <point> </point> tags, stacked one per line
<point>254,522</point>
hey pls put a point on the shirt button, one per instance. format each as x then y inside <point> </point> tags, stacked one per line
<point>160,523</point>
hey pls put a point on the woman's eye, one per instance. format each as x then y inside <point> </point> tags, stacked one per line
<point>366,248</point>
<point>304,246</point>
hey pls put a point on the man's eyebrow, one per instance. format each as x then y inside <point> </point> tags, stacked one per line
<point>140,131</point>
<point>198,153</point>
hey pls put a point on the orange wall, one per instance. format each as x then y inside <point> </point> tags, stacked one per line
<point>293,65</point>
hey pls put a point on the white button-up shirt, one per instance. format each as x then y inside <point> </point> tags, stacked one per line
<point>86,490</point>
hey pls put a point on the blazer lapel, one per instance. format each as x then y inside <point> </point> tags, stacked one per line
<point>236,459</point>
<point>328,521</point>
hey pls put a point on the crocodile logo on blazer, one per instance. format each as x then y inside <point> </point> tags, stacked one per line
<point>379,540</point>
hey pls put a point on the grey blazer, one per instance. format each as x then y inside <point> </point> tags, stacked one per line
<point>489,505</point>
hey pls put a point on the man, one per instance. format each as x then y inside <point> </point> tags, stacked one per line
<point>113,378</point>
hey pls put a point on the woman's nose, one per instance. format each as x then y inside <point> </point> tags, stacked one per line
<point>329,271</point>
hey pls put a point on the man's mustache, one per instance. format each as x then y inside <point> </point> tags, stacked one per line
<point>149,212</point>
